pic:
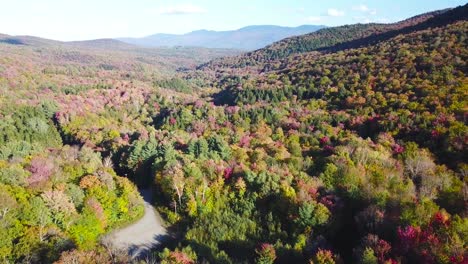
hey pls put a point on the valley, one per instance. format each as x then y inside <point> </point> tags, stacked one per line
<point>345,144</point>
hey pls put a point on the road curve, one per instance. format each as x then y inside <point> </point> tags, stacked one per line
<point>143,235</point>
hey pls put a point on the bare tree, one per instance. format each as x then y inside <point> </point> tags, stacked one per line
<point>107,162</point>
<point>150,259</point>
<point>419,165</point>
<point>422,170</point>
<point>7,203</point>
<point>177,180</point>
<point>43,220</point>
<point>116,255</point>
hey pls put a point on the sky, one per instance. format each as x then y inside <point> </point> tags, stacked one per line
<point>91,19</point>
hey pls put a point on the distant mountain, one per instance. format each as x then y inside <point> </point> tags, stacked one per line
<point>108,44</point>
<point>247,38</point>
<point>27,40</point>
<point>106,54</point>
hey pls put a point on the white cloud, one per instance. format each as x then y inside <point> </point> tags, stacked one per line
<point>362,8</point>
<point>364,19</point>
<point>335,12</point>
<point>182,9</point>
<point>365,9</point>
<point>313,19</point>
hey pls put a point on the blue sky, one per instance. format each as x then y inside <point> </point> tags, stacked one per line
<point>90,19</point>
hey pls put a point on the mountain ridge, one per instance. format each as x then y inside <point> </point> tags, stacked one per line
<point>246,38</point>
<point>327,40</point>
<point>40,41</point>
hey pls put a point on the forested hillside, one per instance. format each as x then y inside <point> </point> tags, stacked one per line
<point>54,197</point>
<point>327,40</point>
<point>59,196</point>
<point>348,148</point>
<point>355,155</point>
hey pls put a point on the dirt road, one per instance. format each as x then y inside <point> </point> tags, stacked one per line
<point>140,237</point>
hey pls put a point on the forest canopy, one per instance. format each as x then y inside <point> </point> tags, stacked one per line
<point>347,145</point>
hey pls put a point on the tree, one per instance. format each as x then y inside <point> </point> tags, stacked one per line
<point>184,256</point>
<point>13,174</point>
<point>428,178</point>
<point>198,148</point>
<point>368,257</point>
<point>7,203</point>
<point>85,230</point>
<point>219,146</point>
<point>41,216</point>
<point>419,165</point>
<point>312,214</point>
<point>174,175</point>
<point>329,175</point>
<point>323,257</point>
<point>61,207</point>
<point>266,254</point>
<point>41,169</point>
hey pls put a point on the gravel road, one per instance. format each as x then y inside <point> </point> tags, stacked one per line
<point>140,237</point>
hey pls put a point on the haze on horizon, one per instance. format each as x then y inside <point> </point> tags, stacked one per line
<point>88,19</point>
